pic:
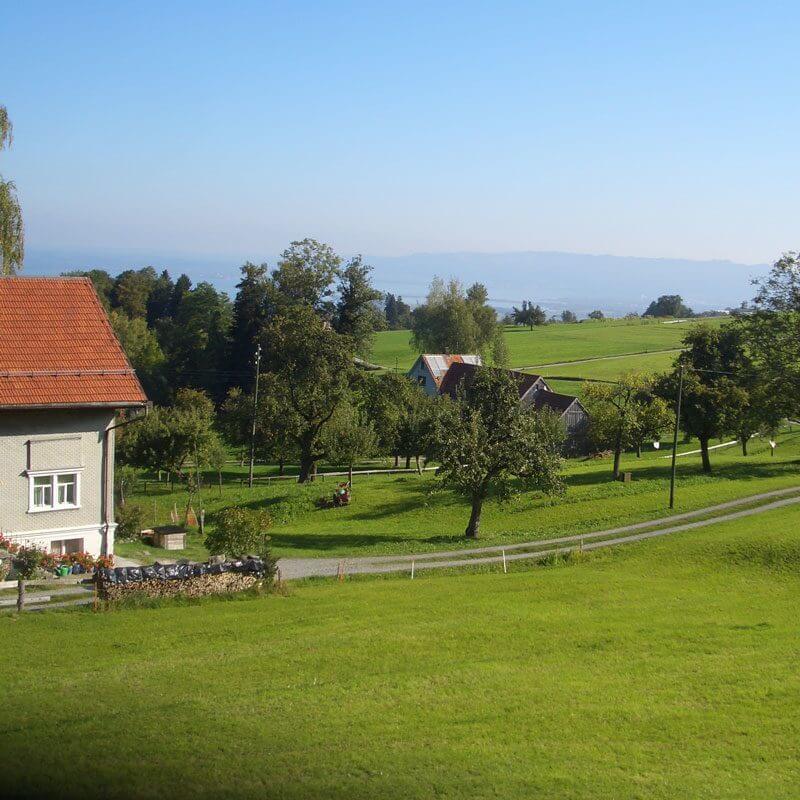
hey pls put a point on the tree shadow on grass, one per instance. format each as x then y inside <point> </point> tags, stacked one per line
<point>322,542</point>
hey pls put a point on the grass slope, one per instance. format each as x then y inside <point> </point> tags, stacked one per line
<point>660,670</point>
<point>552,343</point>
<point>400,513</point>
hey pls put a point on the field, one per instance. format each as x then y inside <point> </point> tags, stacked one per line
<point>555,343</point>
<point>666,669</point>
<point>401,513</point>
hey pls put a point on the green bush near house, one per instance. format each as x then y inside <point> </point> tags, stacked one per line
<point>130,522</point>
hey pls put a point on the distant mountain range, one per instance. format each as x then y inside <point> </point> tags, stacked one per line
<point>555,280</point>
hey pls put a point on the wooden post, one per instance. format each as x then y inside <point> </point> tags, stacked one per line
<point>20,595</point>
<point>202,522</point>
<point>412,569</point>
<point>505,567</point>
<point>341,571</point>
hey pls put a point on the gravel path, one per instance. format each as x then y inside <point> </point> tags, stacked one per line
<point>294,568</point>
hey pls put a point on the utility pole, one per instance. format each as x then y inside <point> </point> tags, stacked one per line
<point>255,414</point>
<point>675,438</point>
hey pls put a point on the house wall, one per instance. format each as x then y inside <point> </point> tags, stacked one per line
<point>44,440</point>
<point>420,374</point>
<point>576,423</point>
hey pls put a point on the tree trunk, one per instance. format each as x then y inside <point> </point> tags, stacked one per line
<point>280,466</point>
<point>122,492</point>
<point>744,445</point>
<point>408,462</point>
<point>219,475</point>
<point>617,453</point>
<point>396,460</point>
<point>419,468</point>
<point>307,465</point>
<point>20,594</point>
<point>474,518</point>
<point>350,474</point>
<point>638,449</point>
<point>704,454</point>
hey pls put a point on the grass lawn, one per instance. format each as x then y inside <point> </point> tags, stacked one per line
<point>400,513</point>
<point>665,669</point>
<point>552,343</point>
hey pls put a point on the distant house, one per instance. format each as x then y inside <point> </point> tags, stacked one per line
<point>63,375</point>
<point>534,392</point>
<point>429,369</point>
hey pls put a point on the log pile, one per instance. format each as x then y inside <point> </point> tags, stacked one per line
<point>187,580</point>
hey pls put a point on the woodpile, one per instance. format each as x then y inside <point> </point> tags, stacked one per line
<point>199,586</point>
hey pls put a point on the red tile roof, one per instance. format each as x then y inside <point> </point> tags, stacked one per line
<point>57,347</point>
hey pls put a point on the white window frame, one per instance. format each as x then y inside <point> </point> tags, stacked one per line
<point>53,475</point>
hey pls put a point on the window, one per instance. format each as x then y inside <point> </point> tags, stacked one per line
<point>54,490</point>
<point>61,547</point>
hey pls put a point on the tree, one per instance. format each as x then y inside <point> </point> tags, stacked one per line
<point>714,385</point>
<point>159,302</point>
<point>487,444</point>
<point>132,290</point>
<point>349,437</point>
<point>529,315</point>
<point>313,371</point>
<point>668,305</point>
<point>27,560</point>
<point>398,313</point>
<point>622,415</point>
<point>356,313</point>
<point>568,316</point>
<point>196,340</point>
<point>454,321</point>
<point>12,231</point>
<point>596,314</point>
<point>141,346</point>
<point>251,313</point>
<point>417,424</point>
<point>305,275</point>
<point>386,399</point>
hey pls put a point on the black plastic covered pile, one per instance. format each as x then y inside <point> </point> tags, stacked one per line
<point>180,572</point>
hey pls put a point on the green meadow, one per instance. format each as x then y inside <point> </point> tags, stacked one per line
<point>556,342</point>
<point>663,669</point>
<point>407,513</point>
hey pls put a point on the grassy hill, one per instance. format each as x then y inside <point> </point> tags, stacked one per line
<point>666,669</point>
<point>555,343</point>
<point>402,513</point>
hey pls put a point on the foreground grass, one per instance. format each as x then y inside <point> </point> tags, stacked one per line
<point>552,343</point>
<point>665,669</point>
<point>402,514</point>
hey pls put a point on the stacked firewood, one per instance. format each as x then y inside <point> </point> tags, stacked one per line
<point>171,580</point>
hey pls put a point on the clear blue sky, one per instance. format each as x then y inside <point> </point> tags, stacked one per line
<point>643,128</point>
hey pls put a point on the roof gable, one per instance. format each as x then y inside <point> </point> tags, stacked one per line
<point>460,371</point>
<point>57,347</point>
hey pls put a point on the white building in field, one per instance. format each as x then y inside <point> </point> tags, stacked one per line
<point>63,376</point>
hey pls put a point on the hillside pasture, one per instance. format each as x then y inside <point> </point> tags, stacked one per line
<point>405,514</point>
<point>664,669</point>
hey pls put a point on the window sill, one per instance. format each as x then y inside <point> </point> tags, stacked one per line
<point>52,508</point>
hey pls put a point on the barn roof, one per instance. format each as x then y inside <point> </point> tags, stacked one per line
<point>438,363</point>
<point>554,401</point>
<point>459,371</point>
<point>57,348</point>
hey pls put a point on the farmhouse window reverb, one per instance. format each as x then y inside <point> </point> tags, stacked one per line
<point>54,490</point>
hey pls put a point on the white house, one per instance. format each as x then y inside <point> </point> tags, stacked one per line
<point>429,369</point>
<point>63,376</point>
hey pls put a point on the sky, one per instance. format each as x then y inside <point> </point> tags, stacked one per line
<point>229,129</point>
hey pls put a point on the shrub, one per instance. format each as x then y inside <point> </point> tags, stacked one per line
<point>130,521</point>
<point>28,561</point>
<point>240,532</point>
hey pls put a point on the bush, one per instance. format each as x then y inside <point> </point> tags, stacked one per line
<point>27,561</point>
<point>130,521</point>
<point>239,532</point>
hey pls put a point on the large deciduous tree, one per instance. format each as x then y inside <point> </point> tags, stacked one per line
<point>357,314</point>
<point>456,321</point>
<point>488,445</point>
<point>623,414</point>
<point>668,305</point>
<point>313,371</point>
<point>12,231</point>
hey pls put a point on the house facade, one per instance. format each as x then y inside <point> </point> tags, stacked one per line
<point>534,392</point>
<point>63,376</point>
<point>429,369</point>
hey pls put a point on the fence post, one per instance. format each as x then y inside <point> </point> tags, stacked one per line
<point>412,569</point>
<point>505,568</point>
<point>20,595</point>
<point>341,571</point>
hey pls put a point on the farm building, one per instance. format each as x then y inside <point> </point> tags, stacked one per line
<point>63,376</point>
<point>534,393</point>
<point>429,369</point>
